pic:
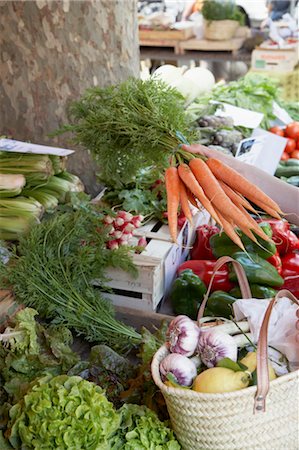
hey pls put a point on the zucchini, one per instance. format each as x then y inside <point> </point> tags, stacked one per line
<point>292,162</point>
<point>293,180</point>
<point>287,171</point>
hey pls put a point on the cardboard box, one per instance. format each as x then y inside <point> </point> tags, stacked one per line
<point>283,60</point>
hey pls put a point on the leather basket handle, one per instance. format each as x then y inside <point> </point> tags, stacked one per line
<point>242,279</point>
<point>262,353</point>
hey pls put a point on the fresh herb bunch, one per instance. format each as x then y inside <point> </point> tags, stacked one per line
<point>53,267</point>
<point>129,126</point>
<point>221,10</point>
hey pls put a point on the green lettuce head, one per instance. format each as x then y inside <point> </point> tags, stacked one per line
<point>63,413</point>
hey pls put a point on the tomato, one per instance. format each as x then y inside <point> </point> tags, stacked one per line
<point>291,145</point>
<point>295,154</point>
<point>277,130</point>
<point>284,156</point>
<point>292,130</point>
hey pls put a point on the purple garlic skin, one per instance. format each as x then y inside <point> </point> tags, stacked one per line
<point>183,335</point>
<point>215,345</point>
<point>183,369</point>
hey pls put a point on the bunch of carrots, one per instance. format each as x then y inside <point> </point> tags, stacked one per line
<point>222,191</point>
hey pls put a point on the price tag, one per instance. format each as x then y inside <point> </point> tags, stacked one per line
<point>241,117</point>
<point>10,145</point>
<point>262,149</point>
<point>281,114</point>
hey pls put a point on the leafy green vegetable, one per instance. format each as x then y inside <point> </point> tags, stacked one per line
<point>63,413</point>
<point>255,92</point>
<point>29,350</point>
<point>142,389</point>
<point>129,126</point>
<point>291,107</point>
<point>52,270</point>
<point>221,10</point>
<point>140,429</point>
<point>108,369</point>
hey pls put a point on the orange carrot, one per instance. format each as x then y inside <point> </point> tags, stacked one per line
<point>267,209</point>
<point>216,195</point>
<point>190,181</point>
<point>254,226</point>
<point>184,202</point>
<point>228,228</point>
<point>235,197</point>
<point>191,198</point>
<point>172,183</point>
<point>236,181</point>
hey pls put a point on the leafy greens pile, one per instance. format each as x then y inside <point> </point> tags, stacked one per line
<point>254,92</point>
<point>129,127</point>
<point>141,429</point>
<point>63,413</point>
<point>52,269</point>
<point>68,413</point>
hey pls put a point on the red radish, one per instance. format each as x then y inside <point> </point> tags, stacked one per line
<point>121,242</point>
<point>112,245</point>
<point>112,230</point>
<point>108,220</point>
<point>142,242</point>
<point>126,216</point>
<point>128,228</point>
<point>125,237</point>
<point>117,234</point>
<point>118,222</point>
<point>136,222</point>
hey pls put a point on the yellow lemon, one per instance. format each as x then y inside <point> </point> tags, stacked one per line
<point>250,361</point>
<point>220,379</point>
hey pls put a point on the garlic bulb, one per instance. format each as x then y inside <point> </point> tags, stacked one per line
<point>182,368</point>
<point>214,345</point>
<point>182,335</point>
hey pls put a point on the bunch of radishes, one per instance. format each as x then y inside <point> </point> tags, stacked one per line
<point>121,229</point>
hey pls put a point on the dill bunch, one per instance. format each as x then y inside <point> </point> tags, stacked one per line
<point>52,268</point>
<point>129,126</point>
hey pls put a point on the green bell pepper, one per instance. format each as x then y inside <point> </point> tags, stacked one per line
<point>219,304</point>
<point>186,294</point>
<point>257,269</point>
<point>256,290</point>
<point>222,245</point>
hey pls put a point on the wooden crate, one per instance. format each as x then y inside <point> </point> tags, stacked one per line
<point>157,266</point>
<point>169,34</point>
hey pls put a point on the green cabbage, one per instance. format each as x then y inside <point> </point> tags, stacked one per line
<point>63,413</point>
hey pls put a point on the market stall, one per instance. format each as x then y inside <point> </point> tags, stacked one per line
<point>160,313</point>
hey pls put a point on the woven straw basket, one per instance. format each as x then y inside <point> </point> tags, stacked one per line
<point>237,420</point>
<point>220,30</point>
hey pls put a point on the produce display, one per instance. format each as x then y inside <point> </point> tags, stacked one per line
<point>268,266</point>
<point>72,374</point>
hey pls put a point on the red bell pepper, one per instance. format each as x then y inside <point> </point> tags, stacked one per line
<point>291,283</point>
<point>201,248</point>
<point>290,265</point>
<point>275,260</point>
<point>286,241</point>
<point>204,270</point>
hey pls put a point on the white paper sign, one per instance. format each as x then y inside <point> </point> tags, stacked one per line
<point>241,117</point>
<point>10,145</point>
<point>262,149</point>
<point>281,114</point>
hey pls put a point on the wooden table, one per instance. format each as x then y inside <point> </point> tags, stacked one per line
<point>167,54</point>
